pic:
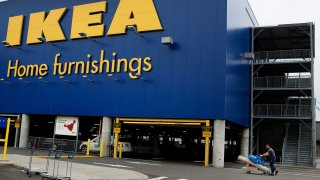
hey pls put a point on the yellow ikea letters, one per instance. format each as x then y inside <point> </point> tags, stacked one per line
<point>49,26</point>
<point>15,30</point>
<point>139,13</point>
<point>87,18</point>
<point>84,21</point>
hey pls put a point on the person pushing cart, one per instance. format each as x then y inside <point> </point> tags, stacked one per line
<point>272,158</point>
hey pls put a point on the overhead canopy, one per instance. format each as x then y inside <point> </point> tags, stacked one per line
<point>292,40</point>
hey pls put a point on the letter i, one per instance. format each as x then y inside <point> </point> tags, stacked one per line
<point>114,54</point>
<point>88,64</point>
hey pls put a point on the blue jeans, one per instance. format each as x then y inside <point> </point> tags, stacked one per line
<point>273,168</point>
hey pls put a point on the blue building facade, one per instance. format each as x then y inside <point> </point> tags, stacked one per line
<point>202,75</point>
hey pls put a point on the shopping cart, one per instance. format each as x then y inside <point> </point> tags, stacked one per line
<point>34,170</point>
<point>56,165</point>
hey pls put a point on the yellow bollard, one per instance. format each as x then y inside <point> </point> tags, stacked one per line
<point>88,147</point>
<point>101,148</point>
<point>207,148</point>
<point>115,141</point>
<point>120,150</point>
<point>4,156</point>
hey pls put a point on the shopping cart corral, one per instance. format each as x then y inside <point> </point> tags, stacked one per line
<point>54,174</point>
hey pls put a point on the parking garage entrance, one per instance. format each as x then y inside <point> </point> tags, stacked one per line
<point>165,138</point>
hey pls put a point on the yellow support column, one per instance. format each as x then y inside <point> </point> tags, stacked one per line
<point>101,148</point>
<point>88,148</point>
<point>120,150</point>
<point>207,148</point>
<point>4,156</point>
<point>115,141</point>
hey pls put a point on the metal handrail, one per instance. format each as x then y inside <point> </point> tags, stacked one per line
<point>281,110</point>
<point>285,141</point>
<point>282,56</point>
<point>283,82</point>
<point>43,143</point>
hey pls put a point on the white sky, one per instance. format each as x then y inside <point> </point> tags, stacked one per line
<point>274,12</point>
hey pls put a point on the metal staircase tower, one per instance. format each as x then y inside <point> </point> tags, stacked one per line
<point>282,92</point>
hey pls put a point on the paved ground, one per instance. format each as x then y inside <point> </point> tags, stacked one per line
<point>11,173</point>
<point>160,169</point>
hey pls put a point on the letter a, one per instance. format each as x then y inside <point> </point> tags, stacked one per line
<point>139,13</point>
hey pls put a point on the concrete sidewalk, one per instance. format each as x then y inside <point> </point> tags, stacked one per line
<point>79,171</point>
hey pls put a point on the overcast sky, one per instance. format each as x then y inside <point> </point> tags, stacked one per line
<point>274,12</point>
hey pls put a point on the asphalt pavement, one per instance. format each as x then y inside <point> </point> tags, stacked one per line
<point>158,169</point>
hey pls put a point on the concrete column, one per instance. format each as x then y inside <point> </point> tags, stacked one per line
<point>244,151</point>
<point>218,143</point>
<point>24,131</point>
<point>106,135</point>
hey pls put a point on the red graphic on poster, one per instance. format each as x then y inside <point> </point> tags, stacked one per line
<point>70,126</point>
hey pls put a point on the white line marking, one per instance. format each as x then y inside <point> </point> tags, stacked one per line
<point>159,178</point>
<point>112,165</point>
<point>143,163</point>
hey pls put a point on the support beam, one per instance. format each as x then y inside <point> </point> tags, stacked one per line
<point>257,123</point>
<point>218,143</point>
<point>257,95</point>
<point>24,131</point>
<point>106,135</point>
<point>245,142</point>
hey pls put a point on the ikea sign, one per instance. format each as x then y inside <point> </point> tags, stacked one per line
<point>86,22</point>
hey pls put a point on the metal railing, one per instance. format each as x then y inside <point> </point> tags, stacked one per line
<point>43,143</point>
<point>282,82</point>
<point>281,110</point>
<point>282,56</point>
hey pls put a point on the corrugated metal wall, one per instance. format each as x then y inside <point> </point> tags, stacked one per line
<point>201,76</point>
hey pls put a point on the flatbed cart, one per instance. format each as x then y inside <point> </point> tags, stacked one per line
<point>56,165</point>
<point>251,167</point>
<point>31,170</point>
<point>253,170</point>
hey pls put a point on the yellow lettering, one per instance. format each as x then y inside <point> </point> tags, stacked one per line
<point>102,62</point>
<point>70,66</point>
<point>65,69</point>
<point>15,30</point>
<point>139,13</point>
<point>77,67</point>
<point>49,26</point>
<point>88,67</point>
<point>55,64</point>
<point>32,70</point>
<point>148,64</point>
<point>87,18</point>
<point>10,67</point>
<point>125,62</point>
<point>43,70</point>
<point>95,69</point>
<point>136,69</point>
<point>22,71</point>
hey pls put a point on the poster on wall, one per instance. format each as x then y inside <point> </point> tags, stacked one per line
<point>67,126</point>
